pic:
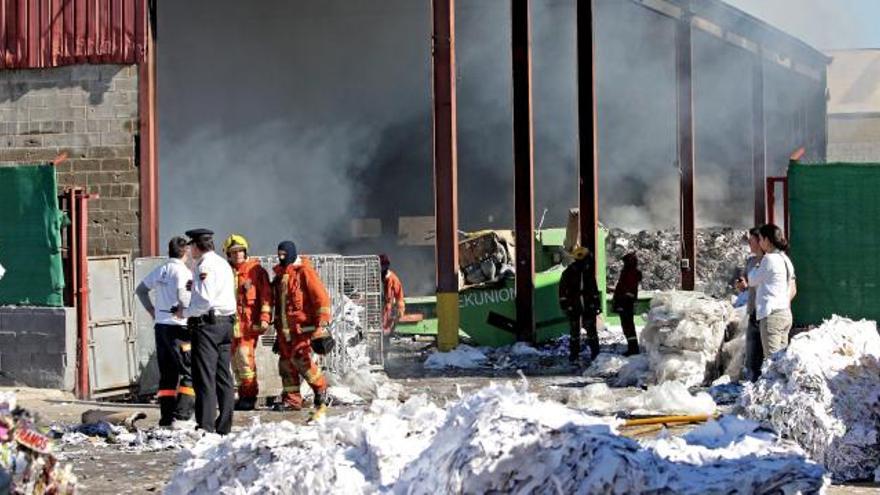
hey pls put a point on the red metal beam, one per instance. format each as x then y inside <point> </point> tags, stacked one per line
<point>523,165</point>
<point>759,139</point>
<point>445,173</point>
<point>588,157</point>
<point>685,103</point>
<point>149,154</point>
<point>81,207</point>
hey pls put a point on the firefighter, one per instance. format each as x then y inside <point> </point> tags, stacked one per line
<point>625,294</point>
<point>302,315</point>
<point>169,283</point>
<point>253,296</point>
<point>393,296</point>
<point>211,315</point>
<point>579,299</point>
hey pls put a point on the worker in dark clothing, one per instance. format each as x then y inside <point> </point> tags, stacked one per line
<point>625,295</point>
<point>579,299</point>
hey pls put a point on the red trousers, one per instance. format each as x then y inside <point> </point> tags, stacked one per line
<point>244,363</point>
<point>295,360</point>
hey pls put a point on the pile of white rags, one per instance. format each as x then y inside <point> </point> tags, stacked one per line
<point>824,393</point>
<point>500,439</point>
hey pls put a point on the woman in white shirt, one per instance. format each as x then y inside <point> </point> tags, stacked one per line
<point>774,281</point>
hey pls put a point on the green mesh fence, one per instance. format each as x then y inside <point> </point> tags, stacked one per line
<point>835,240</point>
<point>30,236</point>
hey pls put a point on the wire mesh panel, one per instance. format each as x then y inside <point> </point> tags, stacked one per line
<point>362,288</point>
<point>354,286</point>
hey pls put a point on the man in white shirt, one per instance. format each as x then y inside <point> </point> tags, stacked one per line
<point>211,314</point>
<point>169,283</point>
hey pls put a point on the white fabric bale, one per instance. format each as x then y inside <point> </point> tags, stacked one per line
<point>683,336</point>
<point>823,391</point>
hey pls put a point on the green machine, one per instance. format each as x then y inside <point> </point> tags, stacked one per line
<point>487,314</point>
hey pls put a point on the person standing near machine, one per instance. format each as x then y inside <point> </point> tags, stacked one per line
<point>579,299</point>
<point>626,293</point>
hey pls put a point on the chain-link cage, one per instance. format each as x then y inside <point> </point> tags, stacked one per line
<point>355,289</point>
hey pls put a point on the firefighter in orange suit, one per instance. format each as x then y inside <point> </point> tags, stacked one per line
<point>302,315</point>
<point>393,295</point>
<point>253,297</point>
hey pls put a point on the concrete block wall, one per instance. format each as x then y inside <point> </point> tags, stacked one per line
<point>91,112</point>
<point>38,347</point>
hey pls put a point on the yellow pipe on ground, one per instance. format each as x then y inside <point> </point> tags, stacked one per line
<point>447,321</point>
<point>697,418</point>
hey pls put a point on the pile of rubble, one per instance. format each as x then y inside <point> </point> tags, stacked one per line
<point>824,393</point>
<point>477,445</point>
<point>721,253</point>
<point>27,462</point>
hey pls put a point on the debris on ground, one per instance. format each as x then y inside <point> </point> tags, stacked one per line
<point>27,461</point>
<point>102,433</point>
<point>684,335</point>
<point>670,398</point>
<point>463,356</point>
<point>477,445</point>
<point>823,391</point>
<point>723,252</point>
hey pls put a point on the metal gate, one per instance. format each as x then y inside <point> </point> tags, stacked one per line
<point>112,356</point>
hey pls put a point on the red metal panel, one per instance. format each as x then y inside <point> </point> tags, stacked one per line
<point>49,33</point>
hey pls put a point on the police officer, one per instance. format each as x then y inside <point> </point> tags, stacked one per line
<point>169,282</point>
<point>211,315</point>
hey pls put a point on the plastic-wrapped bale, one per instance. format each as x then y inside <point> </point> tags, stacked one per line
<point>683,336</point>
<point>823,391</point>
<point>733,352</point>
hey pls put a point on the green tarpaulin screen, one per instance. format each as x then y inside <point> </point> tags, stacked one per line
<point>30,236</point>
<point>835,240</point>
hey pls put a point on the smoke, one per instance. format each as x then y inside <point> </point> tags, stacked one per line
<point>289,119</point>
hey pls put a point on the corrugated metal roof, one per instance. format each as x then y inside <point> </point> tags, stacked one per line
<point>854,82</point>
<point>52,33</point>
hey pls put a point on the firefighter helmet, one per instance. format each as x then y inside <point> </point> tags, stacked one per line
<point>235,242</point>
<point>580,253</point>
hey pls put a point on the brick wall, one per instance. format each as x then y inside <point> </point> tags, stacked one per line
<point>91,112</point>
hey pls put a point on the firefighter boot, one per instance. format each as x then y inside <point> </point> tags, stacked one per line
<point>574,343</point>
<point>246,404</point>
<point>320,411</point>
<point>185,406</point>
<point>167,406</point>
<point>632,341</point>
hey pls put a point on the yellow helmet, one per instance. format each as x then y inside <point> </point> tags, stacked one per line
<point>235,242</point>
<point>580,253</point>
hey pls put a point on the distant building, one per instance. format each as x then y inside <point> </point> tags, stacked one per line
<point>854,106</point>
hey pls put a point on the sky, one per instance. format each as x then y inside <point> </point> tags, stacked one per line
<point>824,24</point>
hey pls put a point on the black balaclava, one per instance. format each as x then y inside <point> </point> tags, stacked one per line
<point>290,248</point>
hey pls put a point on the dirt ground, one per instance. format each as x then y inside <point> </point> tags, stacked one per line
<point>104,469</point>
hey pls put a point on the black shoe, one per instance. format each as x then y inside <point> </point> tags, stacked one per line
<point>321,399</point>
<point>246,404</point>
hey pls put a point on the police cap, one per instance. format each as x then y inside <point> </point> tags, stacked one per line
<point>196,235</point>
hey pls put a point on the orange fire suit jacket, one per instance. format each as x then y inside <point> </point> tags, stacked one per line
<point>301,301</point>
<point>393,296</point>
<point>253,296</point>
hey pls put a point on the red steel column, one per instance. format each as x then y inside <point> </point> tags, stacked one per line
<point>684,82</point>
<point>523,176</point>
<point>759,139</point>
<point>445,173</point>
<point>588,157</point>
<point>149,152</point>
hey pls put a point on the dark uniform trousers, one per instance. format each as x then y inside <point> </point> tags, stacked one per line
<point>212,361</point>
<point>176,394</point>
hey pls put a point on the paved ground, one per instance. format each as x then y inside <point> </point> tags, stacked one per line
<point>106,470</point>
